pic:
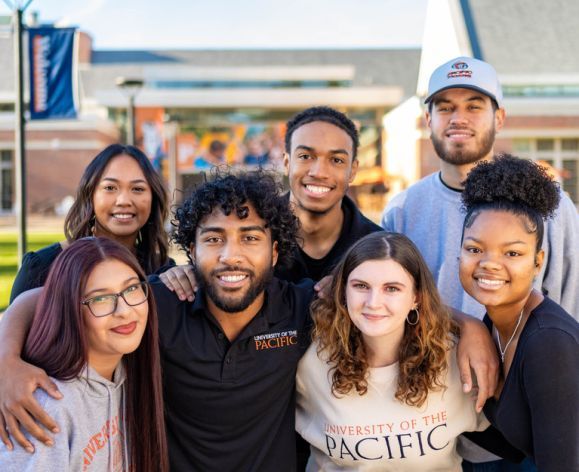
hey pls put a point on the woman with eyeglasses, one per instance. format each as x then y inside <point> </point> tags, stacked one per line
<point>95,334</point>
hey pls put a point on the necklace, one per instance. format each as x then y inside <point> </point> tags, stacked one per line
<point>504,351</point>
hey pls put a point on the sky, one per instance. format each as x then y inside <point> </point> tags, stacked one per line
<point>187,24</point>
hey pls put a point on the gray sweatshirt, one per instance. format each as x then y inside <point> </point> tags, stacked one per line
<point>92,436</point>
<point>429,213</point>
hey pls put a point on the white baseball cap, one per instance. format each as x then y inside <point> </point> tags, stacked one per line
<point>466,72</point>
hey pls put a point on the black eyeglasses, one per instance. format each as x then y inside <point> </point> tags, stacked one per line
<point>104,305</point>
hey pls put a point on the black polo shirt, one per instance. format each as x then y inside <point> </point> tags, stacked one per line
<point>230,406</point>
<point>354,227</point>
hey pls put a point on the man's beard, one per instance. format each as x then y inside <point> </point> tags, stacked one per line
<point>230,304</point>
<point>461,156</point>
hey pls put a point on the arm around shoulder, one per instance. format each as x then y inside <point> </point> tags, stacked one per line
<point>476,351</point>
<point>19,379</point>
<point>44,457</point>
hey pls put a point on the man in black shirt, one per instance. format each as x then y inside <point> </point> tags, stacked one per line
<point>230,358</point>
<point>320,161</point>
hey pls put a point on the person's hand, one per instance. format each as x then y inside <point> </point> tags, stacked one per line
<point>322,288</point>
<point>19,408</point>
<point>477,351</point>
<point>181,280</point>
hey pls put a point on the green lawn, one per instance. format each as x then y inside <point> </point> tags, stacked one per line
<point>9,258</point>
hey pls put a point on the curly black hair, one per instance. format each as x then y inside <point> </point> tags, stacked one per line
<point>327,115</point>
<point>518,186</point>
<point>230,193</point>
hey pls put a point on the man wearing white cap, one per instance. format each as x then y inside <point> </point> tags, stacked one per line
<point>465,111</point>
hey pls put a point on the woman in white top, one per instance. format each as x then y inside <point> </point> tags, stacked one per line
<point>379,389</point>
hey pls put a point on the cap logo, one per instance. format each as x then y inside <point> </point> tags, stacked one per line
<point>459,73</point>
<point>460,65</point>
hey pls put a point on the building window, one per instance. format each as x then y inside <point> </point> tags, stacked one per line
<point>6,181</point>
<point>560,153</point>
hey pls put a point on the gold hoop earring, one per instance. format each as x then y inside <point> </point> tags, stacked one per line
<point>415,322</point>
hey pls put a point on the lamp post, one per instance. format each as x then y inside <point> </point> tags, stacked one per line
<point>18,8</point>
<point>130,88</point>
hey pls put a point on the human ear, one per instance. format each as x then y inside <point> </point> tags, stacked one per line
<point>539,259</point>
<point>428,118</point>
<point>192,253</point>
<point>274,254</point>
<point>500,116</point>
<point>354,170</point>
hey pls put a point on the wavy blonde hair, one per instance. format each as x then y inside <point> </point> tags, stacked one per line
<point>424,347</point>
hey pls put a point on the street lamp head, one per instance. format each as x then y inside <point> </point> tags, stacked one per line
<point>130,87</point>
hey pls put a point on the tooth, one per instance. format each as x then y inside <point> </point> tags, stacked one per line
<point>491,282</point>
<point>316,189</point>
<point>232,278</point>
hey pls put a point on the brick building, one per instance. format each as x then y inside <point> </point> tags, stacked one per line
<point>190,97</point>
<point>193,96</point>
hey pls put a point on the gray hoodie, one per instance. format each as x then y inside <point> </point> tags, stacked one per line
<point>92,433</point>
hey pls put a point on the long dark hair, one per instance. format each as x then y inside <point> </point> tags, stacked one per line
<point>424,346</point>
<point>57,342</point>
<point>152,249</point>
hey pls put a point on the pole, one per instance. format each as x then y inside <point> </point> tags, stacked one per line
<point>131,121</point>
<point>172,129</point>
<point>19,137</point>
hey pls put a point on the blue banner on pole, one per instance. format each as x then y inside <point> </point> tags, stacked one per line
<point>51,58</point>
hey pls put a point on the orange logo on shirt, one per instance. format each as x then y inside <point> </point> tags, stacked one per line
<point>275,340</point>
<point>99,440</point>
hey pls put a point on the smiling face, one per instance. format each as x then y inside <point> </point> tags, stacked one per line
<point>463,125</point>
<point>320,166</point>
<point>234,259</point>
<point>109,337</point>
<point>498,260</point>
<point>379,296</point>
<point>122,200</point>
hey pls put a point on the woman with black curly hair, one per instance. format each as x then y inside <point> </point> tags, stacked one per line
<point>536,405</point>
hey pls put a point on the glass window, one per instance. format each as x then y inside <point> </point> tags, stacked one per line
<point>521,145</point>
<point>5,156</point>
<point>570,144</point>
<point>6,189</point>
<point>570,179</point>
<point>545,144</point>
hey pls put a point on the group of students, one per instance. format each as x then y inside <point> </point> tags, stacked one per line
<point>374,373</point>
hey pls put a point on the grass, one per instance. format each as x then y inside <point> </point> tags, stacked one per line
<point>9,257</point>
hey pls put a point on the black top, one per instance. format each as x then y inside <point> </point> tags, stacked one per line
<point>354,227</point>
<point>34,269</point>
<point>231,405</point>
<point>36,265</point>
<point>538,409</point>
